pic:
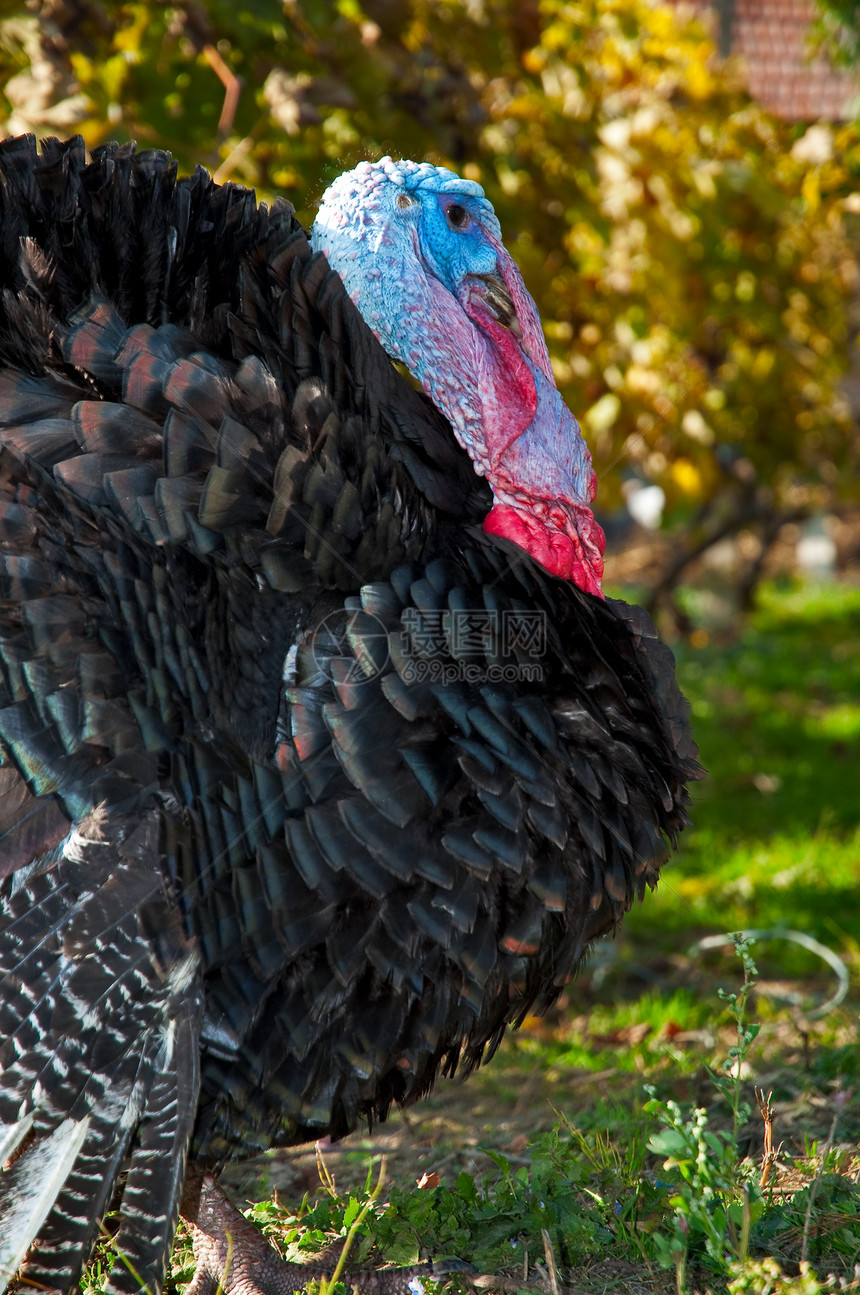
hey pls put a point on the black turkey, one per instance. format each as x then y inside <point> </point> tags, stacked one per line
<point>322,756</point>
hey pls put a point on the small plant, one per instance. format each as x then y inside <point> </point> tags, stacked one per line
<point>355,1214</point>
<point>716,1200</point>
<point>499,1220</point>
<point>766,1277</point>
<point>713,1205</point>
<point>729,1082</point>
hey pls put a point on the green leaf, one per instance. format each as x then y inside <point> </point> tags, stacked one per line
<point>669,1142</point>
<point>352,1211</point>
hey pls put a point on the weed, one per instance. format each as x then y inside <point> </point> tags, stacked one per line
<point>713,1200</point>
<point>728,1080</point>
<point>716,1200</point>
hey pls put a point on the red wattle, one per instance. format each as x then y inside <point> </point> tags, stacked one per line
<point>561,554</point>
<point>517,388</point>
<point>534,343</point>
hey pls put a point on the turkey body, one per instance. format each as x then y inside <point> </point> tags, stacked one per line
<point>309,786</point>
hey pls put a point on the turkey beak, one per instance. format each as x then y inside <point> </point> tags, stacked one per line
<point>498,300</point>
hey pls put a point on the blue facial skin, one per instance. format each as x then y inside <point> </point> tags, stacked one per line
<point>388,230</point>
<point>393,230</point>
<point>415,245</point>
<point>452,251</point>
<point>399,199</point>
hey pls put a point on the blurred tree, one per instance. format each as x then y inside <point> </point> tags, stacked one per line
<point>838,27</point>
<point>687,252</point>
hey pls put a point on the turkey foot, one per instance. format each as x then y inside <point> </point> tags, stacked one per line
<point>232,1255</point>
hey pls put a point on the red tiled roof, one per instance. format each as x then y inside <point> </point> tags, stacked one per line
<point>772,37</point>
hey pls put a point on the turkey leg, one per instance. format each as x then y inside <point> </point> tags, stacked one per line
<point>233,1257</point>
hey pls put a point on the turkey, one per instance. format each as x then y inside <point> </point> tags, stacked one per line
<point>323,758</point>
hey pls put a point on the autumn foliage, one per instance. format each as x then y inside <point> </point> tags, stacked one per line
<point>691,257</point>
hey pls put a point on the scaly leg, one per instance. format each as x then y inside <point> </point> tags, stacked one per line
<point>231,1254</point>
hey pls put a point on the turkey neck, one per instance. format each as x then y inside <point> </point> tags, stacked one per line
<point>494,384</point>
<point>519,433</point>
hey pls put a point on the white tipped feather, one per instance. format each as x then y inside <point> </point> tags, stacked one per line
<point>12,1135</point>
<point>30,1187</point>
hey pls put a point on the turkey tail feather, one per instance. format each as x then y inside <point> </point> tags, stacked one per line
<point>150,1199</point>
<point>99,1066</point>
<point>68,1231</point>
<point>30,1189</point>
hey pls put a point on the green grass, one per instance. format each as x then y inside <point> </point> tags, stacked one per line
<point>611,1139</point>
<point>778,720</point>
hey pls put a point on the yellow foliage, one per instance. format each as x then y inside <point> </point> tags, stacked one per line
<point>687,252</point>
<point>811,190</point>
<point>687,478</point>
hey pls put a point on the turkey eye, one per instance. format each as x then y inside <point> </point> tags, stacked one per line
<point>458,216</point>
